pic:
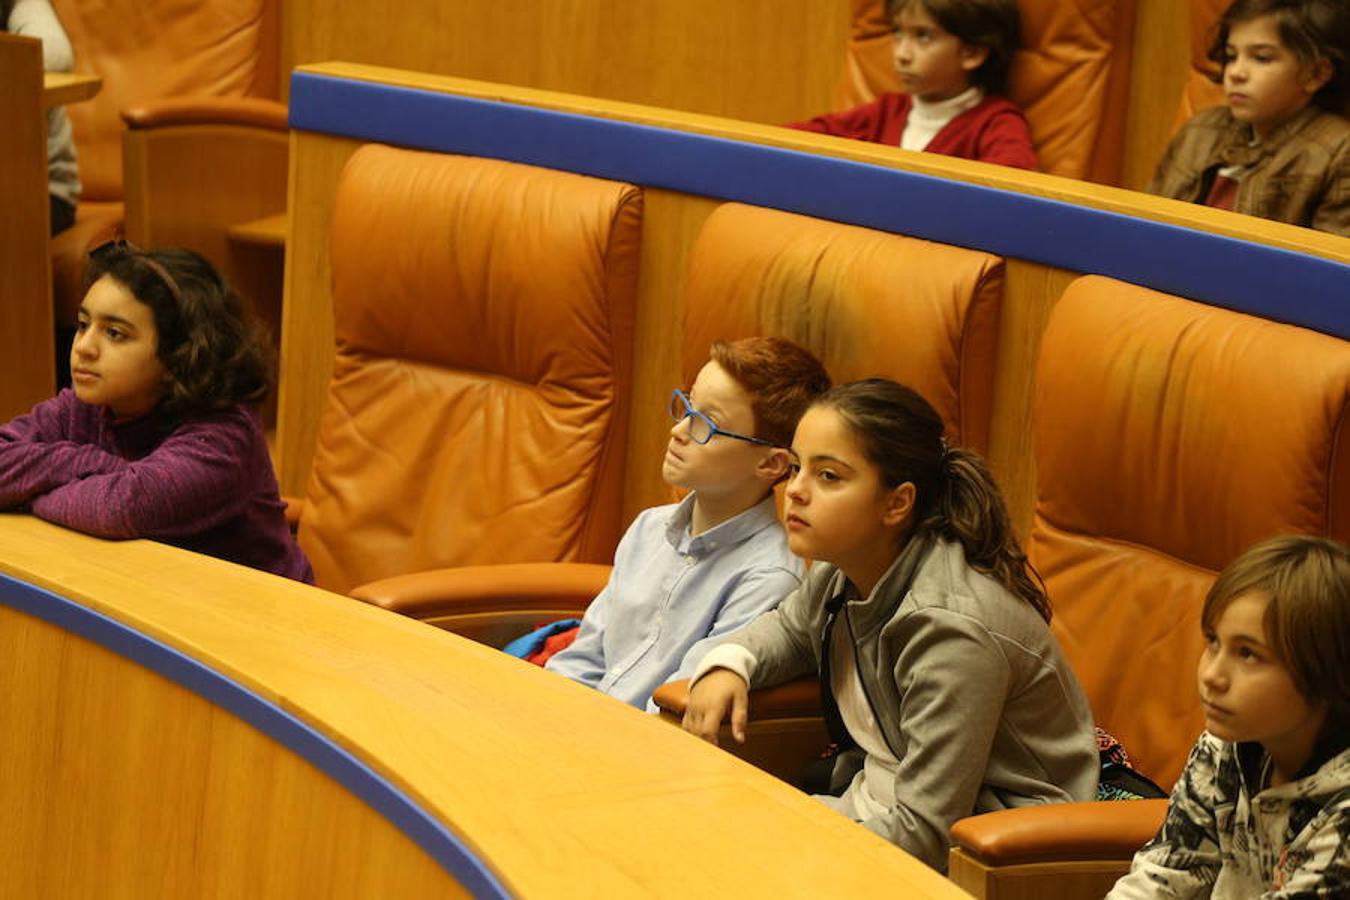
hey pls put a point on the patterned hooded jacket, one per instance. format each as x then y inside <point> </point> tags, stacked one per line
<point>1223,840</point>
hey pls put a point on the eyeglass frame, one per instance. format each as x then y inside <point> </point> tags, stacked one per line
<point>122,245</point>
<point>713,430</point>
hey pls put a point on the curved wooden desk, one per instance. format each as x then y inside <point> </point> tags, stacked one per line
<point>179,726</point>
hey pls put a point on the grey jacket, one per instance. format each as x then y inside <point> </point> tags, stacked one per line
<point>968,686</point>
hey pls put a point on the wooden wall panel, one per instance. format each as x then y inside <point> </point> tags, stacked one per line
<point>1162,54</point>
<point>670,225</point>
<point>27,360</point>
<point>307,317</point>
<point>761,60</point>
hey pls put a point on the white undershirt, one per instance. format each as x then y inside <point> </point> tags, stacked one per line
<point>927,119</point>
<point>871,794</point>
<point>872,791</point>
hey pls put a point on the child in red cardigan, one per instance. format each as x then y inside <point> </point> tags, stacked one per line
<point>953,57</point>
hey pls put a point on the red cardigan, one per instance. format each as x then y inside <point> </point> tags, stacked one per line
<point>992,131</point>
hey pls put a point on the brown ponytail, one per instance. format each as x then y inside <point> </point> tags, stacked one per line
<point>955,494</point>
<point>970,509</point>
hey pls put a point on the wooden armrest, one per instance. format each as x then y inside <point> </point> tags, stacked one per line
<point>295,510</point>
<point>269,231</point>
<point>790,700</point>
<point>487,589</point>
<point>250,111</point>
<point>1111,830</point>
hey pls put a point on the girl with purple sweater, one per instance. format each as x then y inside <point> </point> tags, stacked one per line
<point>158,438</point>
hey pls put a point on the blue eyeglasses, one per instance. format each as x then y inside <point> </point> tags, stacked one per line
<point>701,428</point>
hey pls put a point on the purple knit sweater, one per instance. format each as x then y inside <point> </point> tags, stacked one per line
<point>205,484</point>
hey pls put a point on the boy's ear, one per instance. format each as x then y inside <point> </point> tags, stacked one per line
<point>773,465</point>
<point>973,56</point>
<point>899,504</point>
<point>1319,73</point>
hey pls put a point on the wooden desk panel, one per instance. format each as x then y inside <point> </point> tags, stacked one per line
<point>119,777</point>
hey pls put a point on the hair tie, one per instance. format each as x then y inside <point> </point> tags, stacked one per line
<point>946,450</point>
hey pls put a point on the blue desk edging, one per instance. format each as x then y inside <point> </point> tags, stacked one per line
<point>1246,276</point>
<point>321,752</point>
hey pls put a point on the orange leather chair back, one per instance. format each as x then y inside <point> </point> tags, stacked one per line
<point>866,302</point>
<point>1170,436</point>
<point>1071,78</point>
<point>477,411</point>
<point>1201,91</point>
<point>146,49</point>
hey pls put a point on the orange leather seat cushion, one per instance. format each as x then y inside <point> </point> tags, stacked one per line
<point>870,303</point>
<point>1170,436</point>
<point>478,404</point>
<point>1071,78</point>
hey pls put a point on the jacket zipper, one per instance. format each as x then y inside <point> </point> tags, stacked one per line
<point>862,680</point>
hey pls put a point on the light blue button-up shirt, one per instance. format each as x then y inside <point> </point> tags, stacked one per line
<point>671,596</point>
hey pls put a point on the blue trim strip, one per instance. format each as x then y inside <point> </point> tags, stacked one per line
<point>1242,275</point>
<point>439,842</point>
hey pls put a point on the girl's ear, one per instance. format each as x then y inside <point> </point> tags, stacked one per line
<point>773,466</point>
<point>899,504</point>
<point>972,56</point>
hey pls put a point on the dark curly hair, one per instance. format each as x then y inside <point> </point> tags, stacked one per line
<point>1312,30</point>
<point>995,25</point>
<point>216,354</point>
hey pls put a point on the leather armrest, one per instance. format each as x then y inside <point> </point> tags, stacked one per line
<point>486,589</point>
<point>1060,831</point>
<point>790,700</point>
<point>249,111</point>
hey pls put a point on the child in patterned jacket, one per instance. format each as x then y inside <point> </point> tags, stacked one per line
<point>1263,806</point>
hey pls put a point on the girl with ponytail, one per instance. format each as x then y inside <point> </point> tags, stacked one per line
<point>939,675</point>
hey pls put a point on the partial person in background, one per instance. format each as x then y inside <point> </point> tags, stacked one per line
<point>954,57</point>
<point>1279,149</point>
<point>37,19</point>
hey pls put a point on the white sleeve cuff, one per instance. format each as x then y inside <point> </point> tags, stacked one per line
<point>727,656</point>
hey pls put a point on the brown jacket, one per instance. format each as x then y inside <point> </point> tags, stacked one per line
<point>1299,174</point>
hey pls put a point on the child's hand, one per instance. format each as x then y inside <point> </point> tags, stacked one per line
<point>709,700</point>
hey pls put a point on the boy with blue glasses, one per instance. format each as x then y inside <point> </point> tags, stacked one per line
<point>688,573</point>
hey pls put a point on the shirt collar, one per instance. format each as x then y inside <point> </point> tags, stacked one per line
<point>738,528</point>
<point>878,607</point>
<point>1238,148</point>
<point>948,109</point>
